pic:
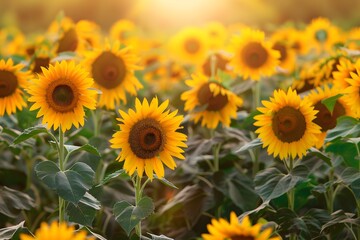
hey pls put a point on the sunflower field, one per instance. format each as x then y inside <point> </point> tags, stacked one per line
<point>215,131</point>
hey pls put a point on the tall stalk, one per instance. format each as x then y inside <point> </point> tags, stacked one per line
<point>62,168</point>
<point>138,196</point>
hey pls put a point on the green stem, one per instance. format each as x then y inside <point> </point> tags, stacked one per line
<point>96,116</point>
<point>256,94</point>
<point>216,151</point>
<point>330,195</point>
<point>62,168</point>
<point>358,201</point>
<point>138,195</point>
<point>291,193</point>
<point>213,67</point>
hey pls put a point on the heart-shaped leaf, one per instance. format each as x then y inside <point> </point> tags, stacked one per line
<point>47,171</point>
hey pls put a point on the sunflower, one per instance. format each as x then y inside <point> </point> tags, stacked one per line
<point>352,92</point>
<point>253,57</point>
<point>353,39</point>
<point>306,78</point>
<point>61,92</point>
<point>112,69</point>
<point>12,42</point>
<point>220,61</point>
<point>298,41</point>
<point>169,74</point>
<point>148,138</point>
<point>56,231</point>
<point>322,34</point>
<point>217,35</point>
<point>41,58</point>
<point>12,80</point>
<point>286,125</point>
<point>234,230</point>
<point>210,101</point>
<point>123,31</point>
<point>281,43</point>
<point>324,118</point>
<point>190,45</point>
<point>344,68</point>
<point>89,34</point>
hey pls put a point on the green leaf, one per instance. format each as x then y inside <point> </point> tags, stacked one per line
<point>331,101</point>
<point>346,150</point>
<point>340,218</point>
<point>12,202</point>
<point>91,201</point>
<point>10,232</point>
<point>94,234</point>
<point>161,237</point>
<point>271,183</point>
<point>250,145</point>
<point>30,132</point>
<point>128,216</point>
<point>113,175</point>
<point>349,175</point>
<point>166,182</point>
<point>81,214</point>
<point>47,171</point>
<point>315,152</point>
<point>72,184</point>
<point>87,147</point>
<point>346,127</point>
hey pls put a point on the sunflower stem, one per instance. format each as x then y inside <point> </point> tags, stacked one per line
<point>330,194</point>
<point>216,151</point>
<point>291,192</point>
<point>256,94</point>
<point>213,67</point>
<point>138,195</point>
<point>96,116</point>
<point>61,166</point>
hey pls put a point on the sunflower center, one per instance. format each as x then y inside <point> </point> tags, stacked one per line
<point>8,83</point>
<point>296,46</point>
<point>69,41</point>
<point>108,70</point>
<point>321,35</point>
<point>254,55</point>
<point>214,103</point>
<point>40,62</point>
<point>192,45</point>
<point>324,118</point>
<point>241,237</point>
<point>220,63</point>
<point>146,138</point>
<point>282,49</point>
<point>61,96</point>
<point>289,124</point>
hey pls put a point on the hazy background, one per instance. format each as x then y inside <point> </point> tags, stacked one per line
<point>36,15</point>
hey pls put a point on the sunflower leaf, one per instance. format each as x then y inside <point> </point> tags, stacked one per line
<point>319,154</point>
<point>331,101</point>
<point>47,171</point>
<point>346,127</point>
<point>159,237</point>
<point>128,216</point>
<point>250,145</point>
<point>81,213</point>
<point>86,147</point>
<point>166,182</point>
<point>113,175</point>
<point>13,201</point>
<point>30,132</point>
<point>12,232</point>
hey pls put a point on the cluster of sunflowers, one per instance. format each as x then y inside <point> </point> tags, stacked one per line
<point>219,78</point>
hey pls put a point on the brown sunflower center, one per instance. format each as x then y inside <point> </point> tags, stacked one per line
<point>8,83</point>
<point>108,70</point>
<point>214,103</point>
<point>62,96</point>
<point>289,124</point>
<point>146,138</point>
<point>69,41</point>
<point>282,49</point>
<point>220,63</point>
<point>241,237</point>
<point>324,118</point>
<point>296,46</point>
<point>40,62</point>
<point>254,55</point>
<point>321,35</point>
<point>192,45</point>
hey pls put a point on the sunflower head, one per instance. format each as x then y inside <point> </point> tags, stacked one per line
<point>148,138</point>
<point>286,125</point>
<point>324,118</point>
<point>217,35</point>
<point>235,230</point>
<point>352,92</point>
<point>112,69</point>
<point>12,81</point>
<point>217,61</point>
<point>342,72</point>
<point>89,35</point>
<point>210,101</point>
<point>190,45</point>
<point>61,92</point>
<point>253,57</point>
<point>56,231</point>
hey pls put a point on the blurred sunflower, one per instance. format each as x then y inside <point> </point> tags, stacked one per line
<point>322,34</point>
<point>281,43</point>
<point>344,68</point>
<point>352,92</point>
<point>148,138</point>
<point>253,56</point>
<point>210,101</point>
<point>190,45</point>
<point>41,59</point>
<point>298,41</point>
<point>61,92</point>
<point>12,42</point>
<point>324,118</point>
<point>220,61</point>
<point>12,81</point>
<point>89,34</point>
<point>353,39</point>
<point>234,230</point>
<point>169,75</point>
<point>56,231</point>
<point>112,69</point>
<point>305,80</point>
<point>123,31</point>
<point>217,35</point>
<point>286,125</point>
